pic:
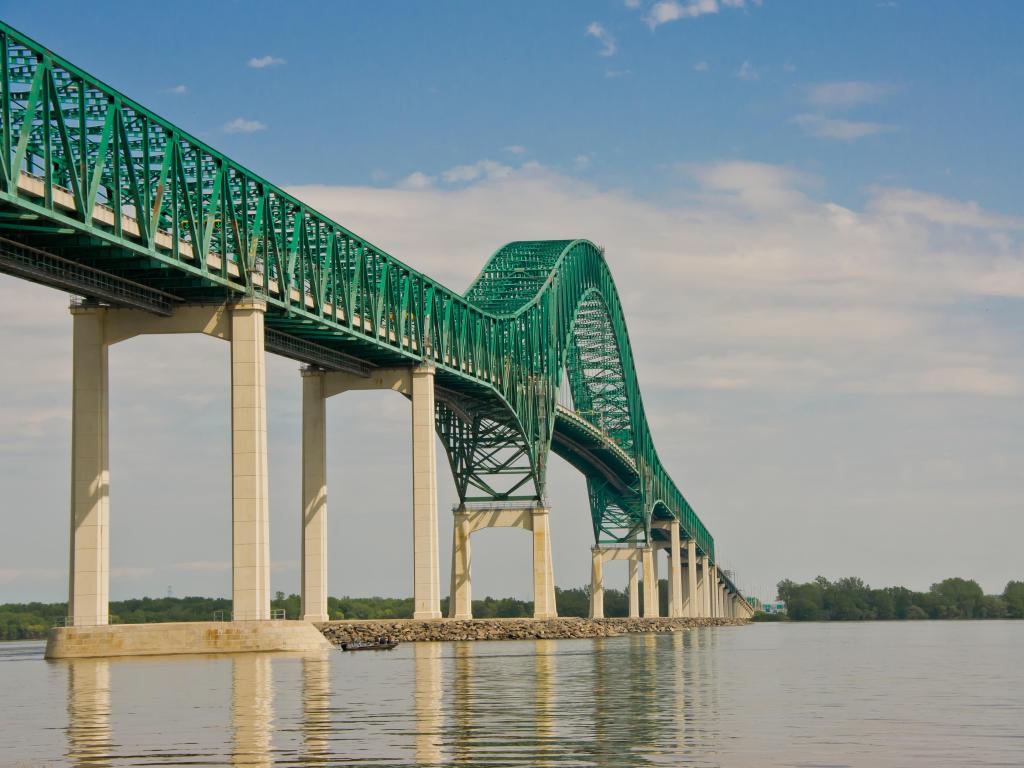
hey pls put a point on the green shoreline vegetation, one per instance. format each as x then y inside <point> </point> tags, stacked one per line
<point>31,621</point>
<point>847,599</point>
<point>850,599</point>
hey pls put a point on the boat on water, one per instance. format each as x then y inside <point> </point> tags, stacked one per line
<point>380,645</point>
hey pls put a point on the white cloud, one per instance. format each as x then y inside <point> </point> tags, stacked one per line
<point>673,10</point>
<point>782,291</point>
<point>515,149</point>
<point>261,62</point>
<point>416,180</point>
<point>835,128</point>
<point>747,71</point>
<point>598,32</point>
<point>616,73</point>
<point>243,125</point>
<point>632,4</point>
<point>581,162</point>
<point>846,93</point>
<point>177,90</point>
<point>701,66</point>
<point>482,169</point>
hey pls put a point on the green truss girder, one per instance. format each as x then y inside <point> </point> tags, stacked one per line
<point>93,177</point>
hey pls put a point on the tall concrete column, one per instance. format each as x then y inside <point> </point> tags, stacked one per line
<point>460,598</point>
<point>89,568</point>
<point>702,586</point>
<point>650,582</point>
<point>707,586</point>
<point>314,496</point>
<point>675,573</point>
<point>250,574</point>
<point>597,583</point>
<point>691,579</point>
<point>543,568</point>
<point>634,586</point>
<point>426,576</point>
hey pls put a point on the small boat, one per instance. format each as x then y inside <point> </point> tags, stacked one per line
<point>376,646</point>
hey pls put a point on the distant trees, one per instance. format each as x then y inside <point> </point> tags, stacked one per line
<point>850,599</point>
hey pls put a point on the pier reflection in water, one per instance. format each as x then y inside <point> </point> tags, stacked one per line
<point>705,697</point>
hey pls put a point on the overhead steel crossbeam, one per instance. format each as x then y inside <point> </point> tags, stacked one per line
<point>314,354</point>
<point>39,266</point>
<point>134,196</point>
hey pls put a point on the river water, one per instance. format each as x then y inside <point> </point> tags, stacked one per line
<point>866,694</point>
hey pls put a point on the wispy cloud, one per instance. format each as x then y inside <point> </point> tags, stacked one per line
<point>846,93</point>
<point>482,169</point>
<point>262,62</point>
<point>747,71</point>
<point>701,66</point>
<point>515,149</point>
<point>603,36</point>
<point>674,10</point>
<point>836,128</point>
<point>177,90</point>
<point>613,74</point>
<point>243,125</point>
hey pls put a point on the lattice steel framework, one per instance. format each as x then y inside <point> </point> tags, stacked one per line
<point>92,179</point>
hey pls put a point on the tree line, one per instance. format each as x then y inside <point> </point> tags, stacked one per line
<point>850,599</point>
<point>28,621</point>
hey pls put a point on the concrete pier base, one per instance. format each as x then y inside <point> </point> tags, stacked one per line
<point>183,637</point>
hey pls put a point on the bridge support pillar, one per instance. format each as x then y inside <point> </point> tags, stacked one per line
<point>693,609</point>
<point>597,582</point>
<point>701,571</point>
<point>426,568</point>
<point>634,587</point>
<point>675,575</point>
<point>543,567</point>
<point>650,566</point>
<point>460,599</point>
<point>250,524</point>
<point>706,585</point>
<point>89,570</point>
<point>313,595</point>
<point>468,521</point>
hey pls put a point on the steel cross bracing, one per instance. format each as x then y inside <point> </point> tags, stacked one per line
<point>103,198</point>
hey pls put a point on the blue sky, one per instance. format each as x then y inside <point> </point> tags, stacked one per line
<point>372,92</point>
<point>811,209</point>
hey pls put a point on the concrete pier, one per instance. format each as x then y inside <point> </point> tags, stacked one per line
<point>313,588</point>
<point>470,520</point>
<point>675,573</point>
<point>88,590</point>
<point>182,638</point>
<point>95,330</point>
<point>650,566</point>
<point>599,556</point>
<point>426,576</point>
<point>250,512</point>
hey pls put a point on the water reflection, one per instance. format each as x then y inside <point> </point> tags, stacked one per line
<point>316,708</point>
<point>427,703</point>
<point>88,730</point>
<point>705,697</point>
<point>252,709</point>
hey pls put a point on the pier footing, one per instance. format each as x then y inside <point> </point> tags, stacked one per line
<point>183,637</point>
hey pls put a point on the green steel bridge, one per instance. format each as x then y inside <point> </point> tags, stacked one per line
<point>106,200</point>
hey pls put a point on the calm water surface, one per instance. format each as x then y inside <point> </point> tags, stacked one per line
<point>872,694</point>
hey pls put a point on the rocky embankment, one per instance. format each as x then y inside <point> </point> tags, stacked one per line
<point>412,631</point>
